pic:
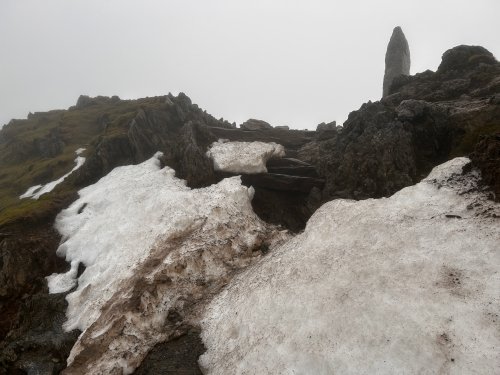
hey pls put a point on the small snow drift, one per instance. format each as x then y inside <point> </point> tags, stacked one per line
<point>243,157</point>
<point>153,250</point>
<point>408,284</point>
<point>37,191</point>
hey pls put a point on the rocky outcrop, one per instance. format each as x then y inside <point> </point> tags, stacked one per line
<point>397,58</point>
<point>254,124</point>
<point>426,120</point>
<point>87,101</point>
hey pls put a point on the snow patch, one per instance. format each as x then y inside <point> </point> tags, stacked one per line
<point>243,157</point>
<point>408,284</point>
<point>37,191</point>
<point>150,246</point>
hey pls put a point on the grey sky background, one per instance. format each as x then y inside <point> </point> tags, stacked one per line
<point>295,63</point>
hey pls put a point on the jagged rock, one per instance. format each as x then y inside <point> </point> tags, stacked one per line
<point>397,58</point>
<point>465,57</point>
<point>411,109</point>
<point>453,79</point>
<point>253,124</point>
<point>486,157</point>
<point>427,119</point>
<point>86,101</point>
<point>325,127</point>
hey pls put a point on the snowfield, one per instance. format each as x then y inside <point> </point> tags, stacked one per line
<point>404,285</point>
<point>37,191</point>
<point>153,248</point>
<point>243,157</point>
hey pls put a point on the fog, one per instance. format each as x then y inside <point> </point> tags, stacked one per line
<point>295,63</point>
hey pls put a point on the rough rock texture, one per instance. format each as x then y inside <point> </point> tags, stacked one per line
<point>397,58</point>
<point>427,119</point>
<point>486,157</point>
<point>176,357</point>
<point>31,337</point>
<point>254,124</point>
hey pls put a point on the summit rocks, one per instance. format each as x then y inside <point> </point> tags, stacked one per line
<point>397,58</point>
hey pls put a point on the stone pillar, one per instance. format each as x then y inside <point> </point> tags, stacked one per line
<point>397,58</point>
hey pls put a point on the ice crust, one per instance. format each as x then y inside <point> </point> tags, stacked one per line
<point>403,285</point>
<point>141,226</point>
<point>243,157</point>
<point>121,218</point>
<point>37,191</point>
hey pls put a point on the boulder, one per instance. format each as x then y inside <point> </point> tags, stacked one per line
<point>253,124</point>
<point>325,127</point>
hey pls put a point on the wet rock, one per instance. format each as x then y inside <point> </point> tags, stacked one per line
<point>464,58</point>
<point>176,357</point>
<point>282,182</point>
<point>486,157</point>
<point>325,127</point>
<point>291,167</point>
<point>253,124</point>
<point>427,119</point>
<point>397,58</point>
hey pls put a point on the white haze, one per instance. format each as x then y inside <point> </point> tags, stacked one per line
<point>288,62</point>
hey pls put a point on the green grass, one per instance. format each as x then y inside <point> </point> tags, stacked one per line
<point>21,166</point>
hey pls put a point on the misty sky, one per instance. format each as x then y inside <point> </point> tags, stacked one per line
<point>295,63</point>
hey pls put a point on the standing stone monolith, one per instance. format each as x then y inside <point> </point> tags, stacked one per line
<point>397,58</point>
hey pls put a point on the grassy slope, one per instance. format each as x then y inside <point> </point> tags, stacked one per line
<point>21,165</point>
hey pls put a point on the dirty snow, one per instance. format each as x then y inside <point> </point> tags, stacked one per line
<point>243,157</point>
<point>37,191</point>
<point>403,285</point>
<point>150,245</point>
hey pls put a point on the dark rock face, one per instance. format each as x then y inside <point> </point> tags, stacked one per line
<point>175,357</point>
<point>253,124</point>
<point>50,146</point>
<point>31,335</point>
<point>486,157</point>
<point>87,101</point>
<point>464,57</point>
<point>397,58</point>
<point>426,120</point>
<point>38,345</point>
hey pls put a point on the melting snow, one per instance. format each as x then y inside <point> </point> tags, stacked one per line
<point>37,191</point>
<point>408,284</point>
<point>150,245</point>
<point>243,157</point>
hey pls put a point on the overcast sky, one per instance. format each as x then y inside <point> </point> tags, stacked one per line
<point>295,63</point>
